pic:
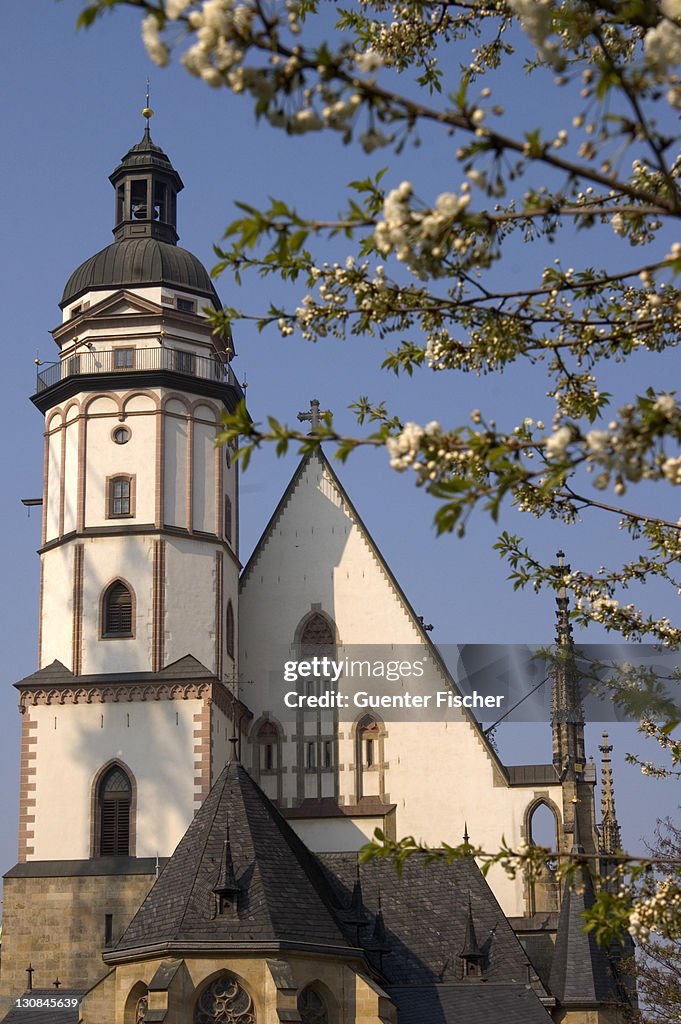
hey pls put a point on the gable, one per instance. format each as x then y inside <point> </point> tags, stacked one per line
<point>317,555</point>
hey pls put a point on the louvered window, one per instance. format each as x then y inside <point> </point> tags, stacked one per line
<point>115,795</point>
<point>117,611</point>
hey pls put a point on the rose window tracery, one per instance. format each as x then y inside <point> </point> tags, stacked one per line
<point>225,1002</point>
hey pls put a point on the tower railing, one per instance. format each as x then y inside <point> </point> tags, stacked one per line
<point>135,360</point>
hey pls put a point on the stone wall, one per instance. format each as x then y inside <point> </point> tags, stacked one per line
<point>57,924</point>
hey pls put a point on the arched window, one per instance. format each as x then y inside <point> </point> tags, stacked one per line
<point>370,759</point>
<point>268,747</point>
<point>114,800</point>
<point>316,633</point>
<point>229,630</point>
<point>368,734</point>
<point>311,1007</point>
<point>541,829</point>
<point>224,1001</point>
<point>117,611</point>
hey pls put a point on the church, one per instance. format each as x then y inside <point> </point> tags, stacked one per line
<point>190,815</point>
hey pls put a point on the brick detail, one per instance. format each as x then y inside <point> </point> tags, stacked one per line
<point>203,751</point>
<point>77,625</point>
<point>219,600</point>
<point>158,610</point>
<point>27,798</point>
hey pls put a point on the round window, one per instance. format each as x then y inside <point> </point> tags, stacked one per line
<point>121,435</point>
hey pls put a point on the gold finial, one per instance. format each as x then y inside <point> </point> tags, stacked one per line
<point>147,112</point>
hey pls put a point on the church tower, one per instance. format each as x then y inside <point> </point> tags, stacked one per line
<point>126,723</point>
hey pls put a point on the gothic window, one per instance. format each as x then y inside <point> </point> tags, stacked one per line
<point>120,497</point>
<point>368,733</point>
<point>225,1002</point>
<point>115,798</point>
<point>229,630</point>
<point>316,633</point>
<point>117,616</point>
<point>268,747</point>
<point>311,1007</point>
<point>370,757</point>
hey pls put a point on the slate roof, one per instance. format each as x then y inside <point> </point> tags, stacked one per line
<point>57,674</point>
<point>472,1003</point>
<point>581,971</point>
<point>132,262</point>
<point>283,896</point>
<point>425,916</point>
<point>46,1015</point>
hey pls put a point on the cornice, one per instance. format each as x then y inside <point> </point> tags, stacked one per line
<point>33,695</point>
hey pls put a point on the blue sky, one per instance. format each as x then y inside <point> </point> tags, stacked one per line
<point>71,104</point>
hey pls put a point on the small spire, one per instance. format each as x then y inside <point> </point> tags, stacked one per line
<point>567,719</point>
<point>611,837</point>
<point>30,971</point>
<point>471,953</point>
<point>355,915</point>
<point>226,889</point>
<point>56,983</point>
<point>466,837</point>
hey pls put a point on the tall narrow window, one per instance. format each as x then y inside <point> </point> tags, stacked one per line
<point>229,630</point>
<point>115,797</point>
<point>228,518</point>
<point>117,611</point>
<point>268,743</point>
<point>120,496</point>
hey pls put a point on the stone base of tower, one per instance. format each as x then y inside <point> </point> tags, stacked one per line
<point>55,913</point>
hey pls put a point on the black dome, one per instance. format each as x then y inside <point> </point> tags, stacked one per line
<point>140,261</point>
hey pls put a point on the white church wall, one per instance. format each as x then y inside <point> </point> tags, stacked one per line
<point>106,459</point>
<point>204,502</point>
<point>53,476</point>
<point>56,607</point>
<point>191,605</point>
<point>176,463</point>
<point>71,470</point>
<point>75,741</point>
<point>333,835</point>
<point>128,558</point>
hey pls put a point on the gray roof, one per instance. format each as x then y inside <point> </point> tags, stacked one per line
<point>470,1003</point>
<point>581,971</point>
<point>425,916</point>
<point>283,897</point>
<point>46,1014</point>
<point>57,674</point>
<point>140,261</point>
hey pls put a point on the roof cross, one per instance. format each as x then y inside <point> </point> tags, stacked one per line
<point>313,417</point>
<point>30,970</point>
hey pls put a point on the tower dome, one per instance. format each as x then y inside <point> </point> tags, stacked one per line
<point>145,250</point>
